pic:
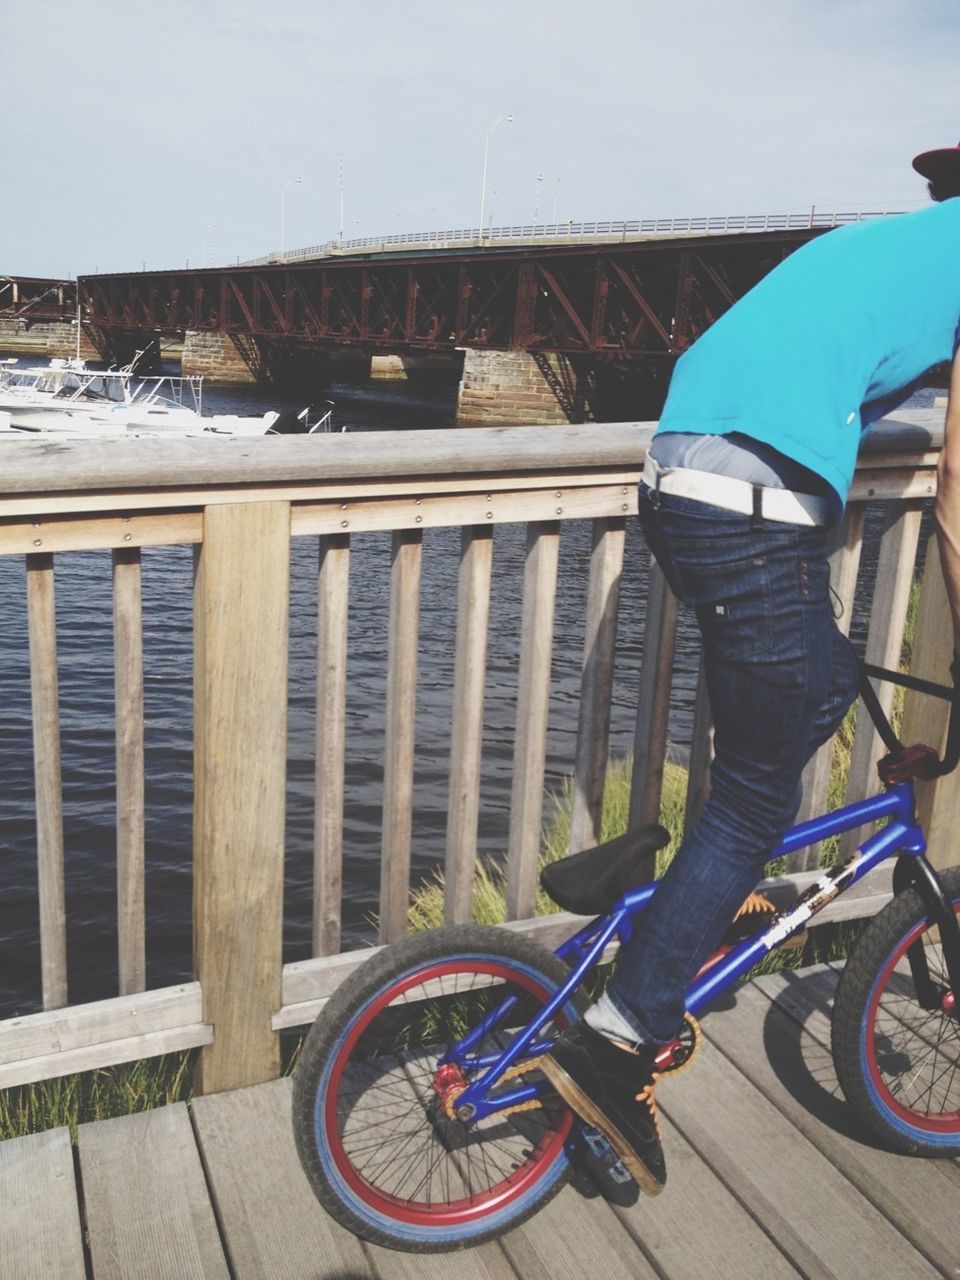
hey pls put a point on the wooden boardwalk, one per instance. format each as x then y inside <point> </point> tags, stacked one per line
<point>766,1180</point>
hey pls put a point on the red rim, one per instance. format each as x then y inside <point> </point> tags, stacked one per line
<point>465,1209</point>
<point>944,1122</point>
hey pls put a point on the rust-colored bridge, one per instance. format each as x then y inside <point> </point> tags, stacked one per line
<point>543,324</point>
<point>35,300</point>
<point>646,300</point>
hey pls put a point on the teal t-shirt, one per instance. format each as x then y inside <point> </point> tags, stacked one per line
<point>828,341</point>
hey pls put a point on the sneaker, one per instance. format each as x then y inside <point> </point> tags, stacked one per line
<point>612,1089</point>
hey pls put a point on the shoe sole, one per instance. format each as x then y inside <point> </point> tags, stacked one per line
<point>578,1101</point>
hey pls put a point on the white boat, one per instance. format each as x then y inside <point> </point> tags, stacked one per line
<point>67,398</point>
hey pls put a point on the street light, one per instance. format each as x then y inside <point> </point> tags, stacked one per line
<point>483,181</point>
<point>283,210</point>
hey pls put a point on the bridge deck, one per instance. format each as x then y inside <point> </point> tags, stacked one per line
<point>766,1180</point>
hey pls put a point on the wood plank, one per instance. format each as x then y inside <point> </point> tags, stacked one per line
<point>780,1176</point>
<point>533,706</point>
<point>31,466</point>
<point>653,701</point>
<point>332,618</point>
<point>888,616</point>
<point>696,1228</point>
<point>44,695</point>
<point>47,466</point>
<point>571,1236</point>
<point>80,1025</point>
<point>784,1047</point>
<point>493,507</point>
<point>148,1212</point>
<point>599,651</point>
<point>131,1049</point>
<point>40,1233</point>
<point>55,532</point>
<point>894,484</point>
<point>925,718</point>
<point>399,734</point>
<point>469,681</point>
<point>845,549</point>
<point>272,1224</point>
<point>319,489</point>
<point>128,683</point>
<point>242,605</point>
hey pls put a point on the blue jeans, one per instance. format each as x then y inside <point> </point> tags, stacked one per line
<point>780,676</point>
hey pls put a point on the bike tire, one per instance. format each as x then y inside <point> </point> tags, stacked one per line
<point>898,1063</point>
<point>382,1155</point>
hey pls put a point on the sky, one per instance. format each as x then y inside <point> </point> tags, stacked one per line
<point>170,133</point>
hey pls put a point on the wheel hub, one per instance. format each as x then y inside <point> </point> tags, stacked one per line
<point>448,1084</point>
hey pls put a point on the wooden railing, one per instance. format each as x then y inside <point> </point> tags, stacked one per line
<point>239,503</point>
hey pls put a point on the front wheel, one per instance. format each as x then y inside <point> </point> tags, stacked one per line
<point>374,1107</point>
<point>897,1056</point>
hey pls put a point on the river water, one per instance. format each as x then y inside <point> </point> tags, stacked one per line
<point>85,655</point>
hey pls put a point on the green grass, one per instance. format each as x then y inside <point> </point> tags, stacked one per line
<point>95,1095</point>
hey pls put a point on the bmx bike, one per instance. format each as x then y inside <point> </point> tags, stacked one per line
<point>420,1115</point>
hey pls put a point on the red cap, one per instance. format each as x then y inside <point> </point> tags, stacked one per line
<point>943,163</point>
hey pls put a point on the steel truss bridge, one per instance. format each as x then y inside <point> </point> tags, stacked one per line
<point>633,305</point>
<point>32,300</point>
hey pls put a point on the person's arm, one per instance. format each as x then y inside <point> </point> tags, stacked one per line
<point>948,501</point>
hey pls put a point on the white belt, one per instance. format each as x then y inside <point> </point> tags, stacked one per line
<point>735,495</point>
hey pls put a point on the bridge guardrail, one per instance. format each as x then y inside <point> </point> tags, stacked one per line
<point>570,230</point>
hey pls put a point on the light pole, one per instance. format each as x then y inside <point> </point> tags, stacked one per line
<point>283,210</point>
<point>340,188</point>
<point>486,152</point>
<point>536,202</point>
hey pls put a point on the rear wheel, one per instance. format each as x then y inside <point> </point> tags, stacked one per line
<point>898,1061</point>
<point>375,1114</point>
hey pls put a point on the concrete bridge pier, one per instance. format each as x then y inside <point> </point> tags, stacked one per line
<point>531,388</point>
<point>214,356</point>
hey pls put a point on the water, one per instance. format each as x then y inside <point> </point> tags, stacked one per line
<point>85,657</point>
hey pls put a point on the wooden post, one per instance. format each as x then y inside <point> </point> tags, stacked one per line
<point>593,726</point>
<point>241,620</point>
<point>846,545</point>
<point>332,611</point>
<point>653,700</point>
<point>128,678</point>
<point>47,772</point>
<point>407,556</point>
<point>469,681</point>
<point>925,719</point>
<point>533,705</point>
<point>888,616</point>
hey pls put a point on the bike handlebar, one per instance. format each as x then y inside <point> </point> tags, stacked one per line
<point>925,762</point>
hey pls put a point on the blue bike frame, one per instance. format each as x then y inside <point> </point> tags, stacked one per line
<point>900,835</point>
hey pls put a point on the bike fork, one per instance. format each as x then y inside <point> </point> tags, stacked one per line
<point>913,870</point>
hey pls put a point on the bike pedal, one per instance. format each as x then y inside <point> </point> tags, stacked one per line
<point>605,1169</point>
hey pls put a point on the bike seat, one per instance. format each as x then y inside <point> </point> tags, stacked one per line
<point>590,882</point>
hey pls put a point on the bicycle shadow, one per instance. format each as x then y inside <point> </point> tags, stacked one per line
<point>796,1044</point>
